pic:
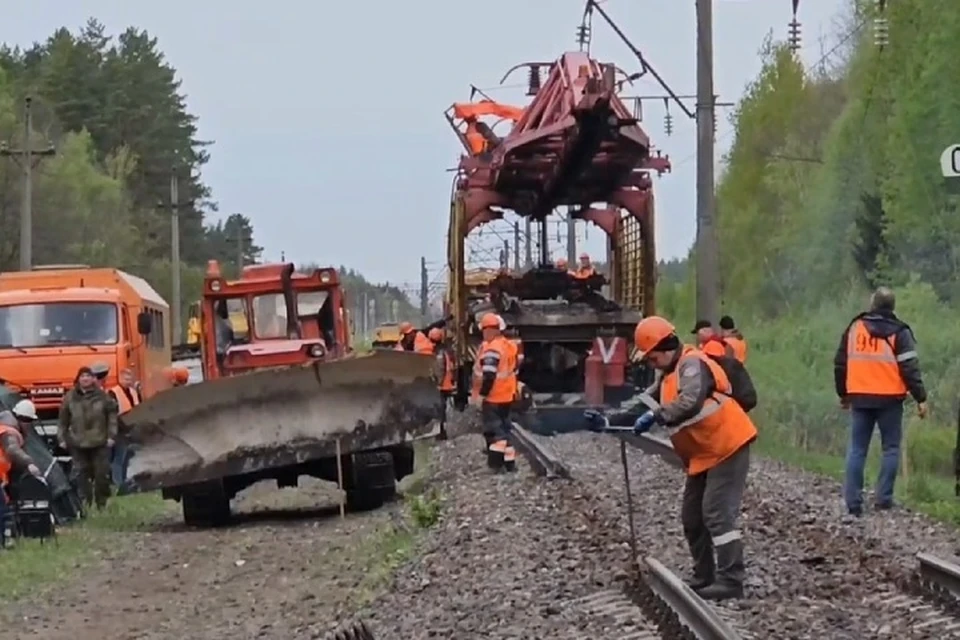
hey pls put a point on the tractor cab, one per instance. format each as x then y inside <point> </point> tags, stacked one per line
<point>270,317</point>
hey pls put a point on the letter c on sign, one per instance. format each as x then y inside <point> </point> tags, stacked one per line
<point>950,161</point>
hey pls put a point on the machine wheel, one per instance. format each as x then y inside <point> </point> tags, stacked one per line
<point>205,505</point>
<point>403,461</point>
<point>374,481</point>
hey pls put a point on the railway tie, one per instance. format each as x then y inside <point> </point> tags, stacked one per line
<point>658,604</point>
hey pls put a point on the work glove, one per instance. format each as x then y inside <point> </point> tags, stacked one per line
<point>597,421</point>
<point>643,423</point>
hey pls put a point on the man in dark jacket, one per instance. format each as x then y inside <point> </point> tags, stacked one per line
<point>875,368</point>
<point>88,428</point>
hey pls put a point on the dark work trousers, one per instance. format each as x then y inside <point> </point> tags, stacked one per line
<point>711,507</point>
<point>496,422</point>
<point>446,398</point>
<point>889,422</point>
<point>92,467</point>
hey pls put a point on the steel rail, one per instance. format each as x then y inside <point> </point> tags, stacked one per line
<point>544,461</point>
<point>941,573</point>
<point>691,610</point>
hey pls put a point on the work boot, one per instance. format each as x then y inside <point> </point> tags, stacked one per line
<point>701,550</point>
<point>730,573</point>
<point>510,459</point>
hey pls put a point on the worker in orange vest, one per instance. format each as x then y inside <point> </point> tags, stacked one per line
<point>495,389</point>
<point>127,396</point>
<point>710,342</point>
<point>413,340</point>
<point>711,434</point>
<point>875,368</point>
<point>13,459</point>
<point>732,336</point>
<point>585,268</point>
<point>445,374</point>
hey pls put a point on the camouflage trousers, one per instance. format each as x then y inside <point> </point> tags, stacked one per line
<point>92,470</point>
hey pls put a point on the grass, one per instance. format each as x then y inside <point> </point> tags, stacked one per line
<point>396,542</point>
<point>800,422</point>
<point>32,566</point>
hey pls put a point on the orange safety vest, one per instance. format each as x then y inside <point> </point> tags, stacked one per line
<point>475,139</point>
<point>445,365</point>
<point>504,389</point>
<point>583,273</point>
<point>5,464</point>
<point>718,348</point>
<point>718,430</point>
<point>872,367</point>
<point>421,344</point>
<point>739,346</point>
<point>123,402</point>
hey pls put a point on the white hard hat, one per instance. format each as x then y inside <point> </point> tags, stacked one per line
<point>25,409</point>
<point>503,323</point>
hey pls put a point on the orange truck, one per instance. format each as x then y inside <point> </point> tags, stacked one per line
<point>55,319</point>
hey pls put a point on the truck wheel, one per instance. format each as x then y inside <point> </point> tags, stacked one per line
<point>403,461</point>
<point>373,482</point>
<point>205,506</point>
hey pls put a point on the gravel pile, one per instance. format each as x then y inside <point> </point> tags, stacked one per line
<point>811,573</point>
<point>510,559</point>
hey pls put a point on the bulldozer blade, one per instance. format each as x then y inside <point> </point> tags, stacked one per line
<point>279,417</point>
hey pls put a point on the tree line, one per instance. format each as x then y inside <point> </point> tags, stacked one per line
<point>831,187</point>
<point>114,111</point>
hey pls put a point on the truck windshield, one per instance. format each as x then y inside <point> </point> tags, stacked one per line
<point>270,311</point>
<point>58,323</point>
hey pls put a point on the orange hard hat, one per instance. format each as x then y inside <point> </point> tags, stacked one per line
<point>435,334</point>
<point>405,328</point>
<point>650,332</point>
<point>176,375</point>
<point>490,321</point>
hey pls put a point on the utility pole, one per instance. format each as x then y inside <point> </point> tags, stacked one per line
<point>239,246</point>
<point>25,158</point>
<point>571,239</point>
<point>365,318</point>
<point>424,286</point>
<point>527,230</point>
<point>708,259</point>
<point>516,246</point>
<point>175,252</point>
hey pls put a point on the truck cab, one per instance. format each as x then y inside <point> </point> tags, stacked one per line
<point>55,319</point>
<point>270,317</point>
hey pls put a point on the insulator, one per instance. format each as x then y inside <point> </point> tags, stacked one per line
<point>668,124</point>
<point>583,35</point>
<point>881,31</point>
<point>533,80</point>
<point>793,34</point>
<point>714,114</point>
<point>638,109</point>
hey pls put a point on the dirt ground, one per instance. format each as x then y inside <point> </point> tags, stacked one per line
<point>288,562</point>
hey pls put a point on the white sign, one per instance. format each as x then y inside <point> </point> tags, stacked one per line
<point>950,161</point>
<point>607,355</point>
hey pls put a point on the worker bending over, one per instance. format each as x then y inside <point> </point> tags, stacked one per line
<point>711,434</point>
<point>495,389</point>
<point>87,427</point>
<point>413,340</point>
<point>875,367</point>
<point>445,374</point>
<point>14,461</point>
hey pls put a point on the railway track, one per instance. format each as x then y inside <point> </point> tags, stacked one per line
<point>655,597</point>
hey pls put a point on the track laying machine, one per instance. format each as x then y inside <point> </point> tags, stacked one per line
<point>576,145</point>
<point>285,397</point>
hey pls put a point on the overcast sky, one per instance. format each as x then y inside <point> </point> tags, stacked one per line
<point>327,117</point>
